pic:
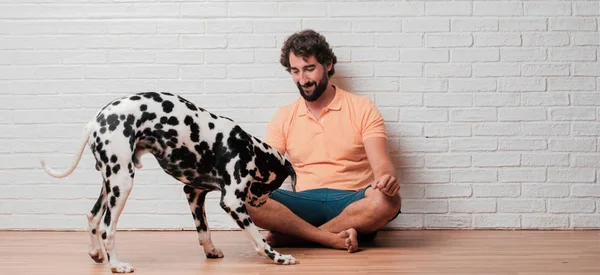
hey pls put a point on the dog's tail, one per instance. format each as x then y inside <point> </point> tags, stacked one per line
<point>82,144</point>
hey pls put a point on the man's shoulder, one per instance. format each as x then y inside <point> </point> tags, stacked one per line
<point>357,100</point>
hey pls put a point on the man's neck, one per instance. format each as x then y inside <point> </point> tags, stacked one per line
<point>327,97</point>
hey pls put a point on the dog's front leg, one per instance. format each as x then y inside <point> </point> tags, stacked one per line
<point>236,208</point>
<point>196,199</point>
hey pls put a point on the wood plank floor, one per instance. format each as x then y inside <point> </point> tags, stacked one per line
<point>394,252</point>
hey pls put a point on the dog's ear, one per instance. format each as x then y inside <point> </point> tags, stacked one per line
<point>292,173</point>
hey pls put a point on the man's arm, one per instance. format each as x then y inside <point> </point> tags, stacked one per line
<point>382,165</point>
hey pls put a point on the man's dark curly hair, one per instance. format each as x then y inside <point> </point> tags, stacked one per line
<point>307,43</point>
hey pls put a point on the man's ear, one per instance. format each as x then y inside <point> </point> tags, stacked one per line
<point>328,66</point>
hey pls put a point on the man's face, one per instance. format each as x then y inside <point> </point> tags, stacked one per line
<point>309,75</point>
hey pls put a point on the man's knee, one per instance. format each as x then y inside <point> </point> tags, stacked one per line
<point>384,207</point>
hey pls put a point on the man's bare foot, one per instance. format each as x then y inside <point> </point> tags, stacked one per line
<point>350,241</point>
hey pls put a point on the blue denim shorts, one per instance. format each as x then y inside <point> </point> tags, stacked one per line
<point>318,206</point>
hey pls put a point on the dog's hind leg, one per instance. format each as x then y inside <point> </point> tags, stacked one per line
<point>118,187</point>
<point>196,198</point>
<point>96,250</point>
<point>233,203</point>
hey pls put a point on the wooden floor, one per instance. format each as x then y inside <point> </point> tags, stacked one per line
<point>406,252</point>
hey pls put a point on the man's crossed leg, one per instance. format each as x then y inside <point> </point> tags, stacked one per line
<point>332,218</point>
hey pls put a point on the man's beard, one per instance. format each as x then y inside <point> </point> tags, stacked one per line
<point>318,90</point>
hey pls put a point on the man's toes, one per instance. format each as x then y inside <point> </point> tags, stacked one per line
<point>352,240</point>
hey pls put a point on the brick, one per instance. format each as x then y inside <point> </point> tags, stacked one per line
<point>572,54</point>
<point>475,55</point>
<point>521,205</point>
<point>447,221</point>
<point>410,176</point>
<point>522,144</point>
<point>222,26</point>
<point>546,69</point>
<point>203,10</point>
<point>473,115</point>
<point>585,221</point>
<point>545,190</point>
<point>466,24</point>
<point>472,85</point>
<point>523,54</point>
<point>448,40</point>
<point>426,25</point>
<point>423,145</point>
<point>496,99</point>
<point>487,70</point>
<point>522,175</point>
<point>572,145</point>
<point>203,42</point>
<point>496,221</point>
<point>423,206</point>
<point>545,129</point>
<point>541,221</point>
<point>472,205</point>
<point>374,85</point>
<point>374,54</point>
<point>496,160</point>
<point>543,39</point>
<point>229,56</point>
<point>423,85</point>
<point>572,24</point>
<point>177,57</point>
<point>397,69</point>
<point>539,159</point>
<point>496,39</point>
<point>522,114</point>
<point>434,191</point>
<point>496,129</point>
<point>570,114</point>
<point>448,100</point>
<point>377,25</point>
<point>447,130</point>
<point>252,9</point>
<point>180,26</point>
<point>473,144</point>
<point>474,175</point>
<point>586,190</point>
<point>324,25</point>
<point>586,69</point>
<point>585,160</point>
<point>269,26</point>
<point>522,24</point>
<point>582,8</point>
<point>402,40</point>
<point>447,161</point>
<point>578,175</point>
<point>571,206</point>
<point>491,8</point>
<point>411,221</point>
<point>547,8</point>
<point>585,38</point>
<point>545,99</point>
<point>496,190</point>
<point>424,55</point>
<point>521,85</point>
<point>444,70</point>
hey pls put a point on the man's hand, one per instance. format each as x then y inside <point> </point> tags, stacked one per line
<point>387,184</point>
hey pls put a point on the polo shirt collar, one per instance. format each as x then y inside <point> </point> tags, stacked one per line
<point>334,105</point>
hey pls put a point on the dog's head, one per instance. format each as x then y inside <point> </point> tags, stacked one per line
<point>272,169</point>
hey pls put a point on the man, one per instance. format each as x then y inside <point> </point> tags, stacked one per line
<point>337,143</point>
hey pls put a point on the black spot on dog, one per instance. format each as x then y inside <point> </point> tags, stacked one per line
<point>113,201</point>
<point>107,217</point>
<point>167,106</point>
<point>173,121</point>
<point>106,142</point>
<point>116,103</point>
<point>104,236</point>
<point>158,126</point>
<point>116,169</point>
<point>281,261</point>
<point>213,116</point>
<point>226,118</point>
<point>122,117</point>
<point>113,158</point>
<point>211,125</point>
<point>212,256</point>
<point>102,130</point>
<point>146,116</point>
<point>143,107</point>
<point>117,191</point>
<point>113,121</point>
<point>94,231</point>
<point>98,205</point>
<point>188,120</point>
<point>135,97</point>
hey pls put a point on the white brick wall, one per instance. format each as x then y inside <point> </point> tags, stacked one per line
<point>492,107</point>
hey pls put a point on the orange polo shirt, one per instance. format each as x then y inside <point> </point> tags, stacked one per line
<point>328,152</point>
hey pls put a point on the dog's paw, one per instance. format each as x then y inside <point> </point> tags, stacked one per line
<point>214,254</point>
<point>286,260</point>
<point>122,268</point>
<point>96,255</point>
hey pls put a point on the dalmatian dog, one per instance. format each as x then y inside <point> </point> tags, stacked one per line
<point>204,151</point>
